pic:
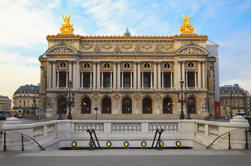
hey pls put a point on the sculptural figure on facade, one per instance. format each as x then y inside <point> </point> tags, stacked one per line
<point>187,27</point>
<point>67,27</point>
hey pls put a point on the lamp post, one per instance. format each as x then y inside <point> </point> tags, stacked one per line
<point>182,116</point>
<point>69,99</point>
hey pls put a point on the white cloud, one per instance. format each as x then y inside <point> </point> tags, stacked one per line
<point>26,23</point>
<point>17,70</point>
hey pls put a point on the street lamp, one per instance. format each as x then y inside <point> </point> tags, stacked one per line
<point>69,99</point>
<point>182,116</point>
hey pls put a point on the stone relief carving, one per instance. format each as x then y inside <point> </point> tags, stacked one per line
<point>62,50</point>
<point>107,46</point>
<point>136,96</point>
<point>191,50</point>
<point>87,46</point>
<point>126,46</point>
<point>137,48</point>
<point>147,46</point>
<point>117,50</point>
<point>157,49</point>
<point>116,96</point>
<point>157,97</point>
<point>97,49</point>
<point>165,46</point>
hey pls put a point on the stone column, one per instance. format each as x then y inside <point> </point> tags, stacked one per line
<point>155,76</point>
<point>118,76</point>
<point>134,76</point>
<point>49,75</point>
<point>54,76</point>
<point>110,80</point>
<point>199,75</point>
<point>171,79</point>
<point>131,80</point>
<point>183,71</point>
<point>139,77</point>
<point>142,80</point>
<point>81,80</point>
<point>205,70</point>
<point>114,76</point>
<point>98,76</point>
<point>94,76</point>
<point>122,80</point>
<point>159,77</point>
<point>67,78</point>
<point>57,79</point>
<point>151,78</point>
<point>90,79</point>
<point>70,71</point>
<point>186,81</point>
<point>78,75</point>
<point>102,79</point>
<point>195,76</point>
<point>162,80</point>
<point>203,75</point>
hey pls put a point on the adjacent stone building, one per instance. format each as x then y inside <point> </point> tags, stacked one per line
<point>26,99</point>
<point>5,103</point>
<point>233,99</point>
<point>127,77</point>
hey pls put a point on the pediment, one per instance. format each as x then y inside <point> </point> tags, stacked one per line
<point>59,50</point>
<point>192,50</point>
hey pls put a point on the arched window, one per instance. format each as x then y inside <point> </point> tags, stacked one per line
<point>147,105</point>
<point>85,106</point>
<point>106,105</point>
<point>191,105</point>
<point>62,105</point>
<point>126,106</point>
<point>167,106</point>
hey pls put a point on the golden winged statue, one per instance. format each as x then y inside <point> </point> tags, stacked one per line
<point>187,27</point>
<point>67,27</point>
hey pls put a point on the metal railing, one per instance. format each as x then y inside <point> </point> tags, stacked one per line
<point>22,141</point>
<point>229,138</point>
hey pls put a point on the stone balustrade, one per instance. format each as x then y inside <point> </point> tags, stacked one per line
<point>190,132</point>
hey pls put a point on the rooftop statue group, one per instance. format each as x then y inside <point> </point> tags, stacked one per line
<point>67,27</point>
<point>187,27</point>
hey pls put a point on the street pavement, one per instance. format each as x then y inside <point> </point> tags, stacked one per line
<point>129,157</point>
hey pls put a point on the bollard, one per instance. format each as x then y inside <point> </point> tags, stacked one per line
<point>22,138</point>
<point>229,143</point>
<point>246,132</point>
<point>4,141</point>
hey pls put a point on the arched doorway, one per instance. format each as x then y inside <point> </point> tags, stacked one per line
<point>147,105</point>
<point>126,106</point>
<point>106,105</point>
<point>167,105</point>
<point>86,105</point>
<point>191,105</point>
<point>62,103</point>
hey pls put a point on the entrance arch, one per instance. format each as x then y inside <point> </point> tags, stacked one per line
<point>147,105</point>
<point>126,105</point>
<point>167,105</point>
<point>85,105</point>
<point>106,105</point>
<point>62,103</point>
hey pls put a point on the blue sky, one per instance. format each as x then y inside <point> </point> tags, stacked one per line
<point>25,24</point>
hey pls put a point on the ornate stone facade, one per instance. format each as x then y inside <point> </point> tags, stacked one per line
<point>127,77</point>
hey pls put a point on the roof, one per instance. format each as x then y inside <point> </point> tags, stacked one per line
<point>234,89</point>
<point>4,97</point>
<point>28,89</point>
<point>126,37</point>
